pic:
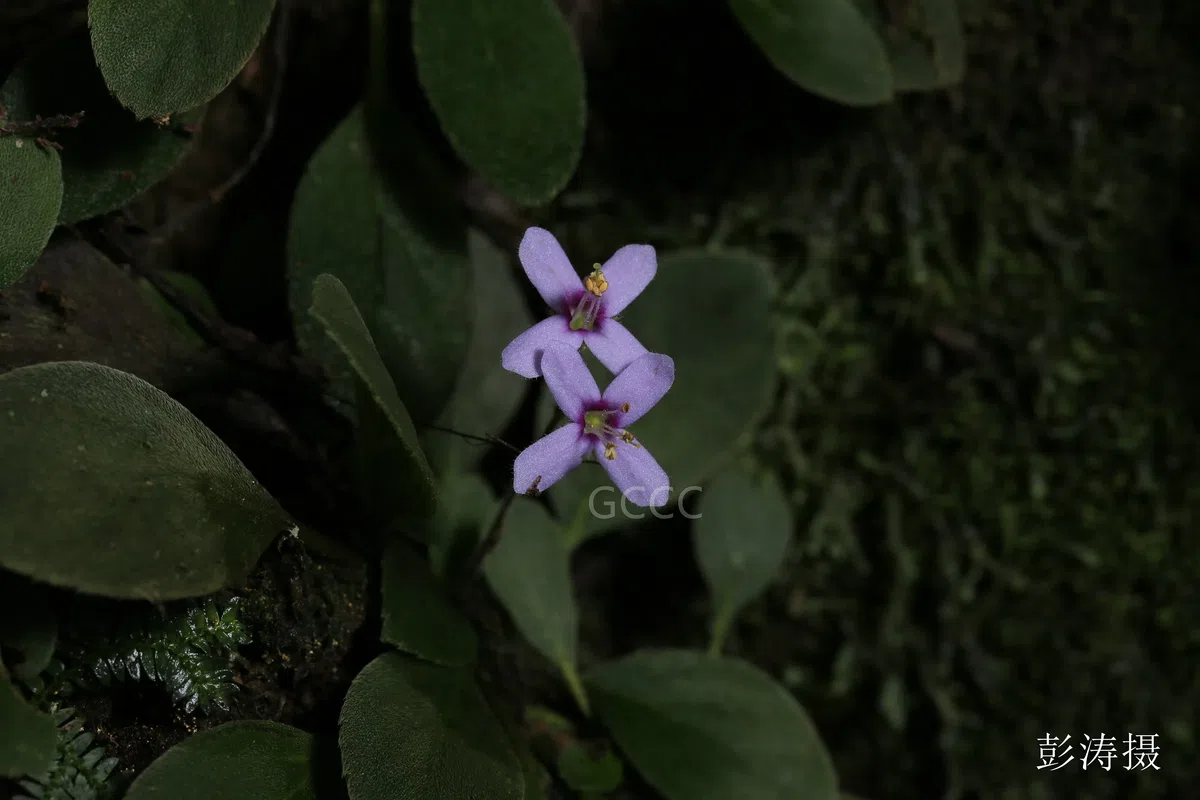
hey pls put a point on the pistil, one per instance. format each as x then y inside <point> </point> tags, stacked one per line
<point>586,311</point>
<point>583,316</point>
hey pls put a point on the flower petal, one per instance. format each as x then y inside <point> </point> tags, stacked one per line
<point>568,379</point>
<point>628,272</point>
<point>544,462</point>
<point>548,267</point>
<point>641,384</point>
<point>523,353</point>
<point>637,475</point>
<point>614,346</point>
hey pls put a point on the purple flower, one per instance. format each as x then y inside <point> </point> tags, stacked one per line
<point>598,426</point>
<point>584,311</point>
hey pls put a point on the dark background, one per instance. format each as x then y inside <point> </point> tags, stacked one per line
<point>989,443</point>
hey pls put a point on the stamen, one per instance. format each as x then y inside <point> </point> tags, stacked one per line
<point>596,423</point>
<point>596,283</point>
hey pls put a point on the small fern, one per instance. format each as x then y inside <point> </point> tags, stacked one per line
<point>188,653</point>
<point>79,771</point>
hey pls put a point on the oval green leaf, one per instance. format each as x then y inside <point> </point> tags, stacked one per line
<point>422,330</point>
<point>588,504</point>
<point>824,46</point>
<point>587,771</point>
<point>418,617</point>
<point>31,189</point>
<point>333,231</point>
<point>720,729</point>
<point>530,572</point>
<point>131,496</point>
<point>189,287</point>
<point>466,508</point>
<point>400,450</point>
<point>233,761</point>
<point>487,395</point>
<point>506,82</point>
<point>411,730</point>
<point>160,57</point>
<point>111,157</point>
<point>408,281</point>
<point>741,538</point>
<point>28,738</point>
<point>711,312</point>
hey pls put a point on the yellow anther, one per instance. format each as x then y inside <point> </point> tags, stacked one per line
<point>610,450</point>
<point>596,283</point>
<point>624,408</point>
<point>627,438</point>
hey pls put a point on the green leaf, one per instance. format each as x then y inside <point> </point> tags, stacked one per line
<point>697,726</point>
<point>400,450</point>
<point>32,633</point>
<point>111,157</point>
<point>530,572</point>
<point>506,82</point>
<point>160,57</point>
<point>31,190</point>
<point>487,395</point>
<point>411,730</point>
<point>824,46</point>
<point>422,330</point>
<point>585,771</point>
<point>333,231</point>
<point>741,538</point>
<point>409,282</point>
<point>933,55</point>
<point>190,287</point>
<point>711,312</point>
<point>233,761</point>
<point>418,617</point>
<point>588,504</point>
<point>467,507</point>
<point>28,738</point>
<point>131,495</point>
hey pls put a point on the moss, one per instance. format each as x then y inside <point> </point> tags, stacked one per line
<point>188,651</point>
<point>80,771</point>
<point>284,648</point>
<point>984,310</point>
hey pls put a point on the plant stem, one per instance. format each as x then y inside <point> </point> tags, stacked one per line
<point>720,631</point>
